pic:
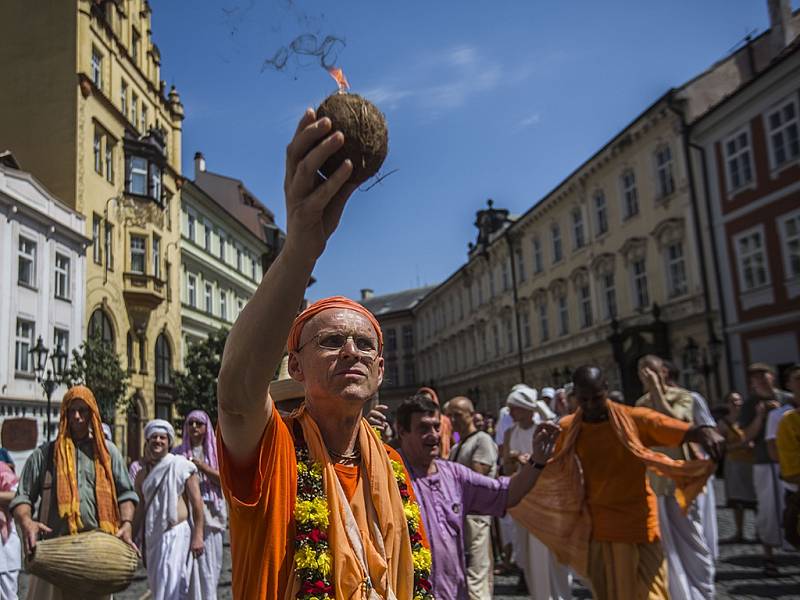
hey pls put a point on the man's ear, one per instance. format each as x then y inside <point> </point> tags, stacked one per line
<point>294,367</point>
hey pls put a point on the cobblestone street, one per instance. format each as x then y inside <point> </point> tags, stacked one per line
<point>738,571</point>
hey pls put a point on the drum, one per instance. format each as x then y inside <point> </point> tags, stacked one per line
<point>93,563</point>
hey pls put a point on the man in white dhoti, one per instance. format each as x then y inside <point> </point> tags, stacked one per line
<point>689,559</point>
<point>200,446</point>
<point>545,576</point>
<point>172,542</point>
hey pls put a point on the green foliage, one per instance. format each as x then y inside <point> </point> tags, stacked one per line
<point>196,387</point>
<point>97,366</point>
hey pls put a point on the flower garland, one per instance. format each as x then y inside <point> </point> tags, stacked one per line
<point>312,557</point>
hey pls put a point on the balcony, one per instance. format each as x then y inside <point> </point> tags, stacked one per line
<point>143,292</point>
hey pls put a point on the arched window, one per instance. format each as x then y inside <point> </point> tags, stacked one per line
<point>100,326</point>
<point>163,361</point>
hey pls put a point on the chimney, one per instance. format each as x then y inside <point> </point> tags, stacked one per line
<point>366,294</point>
<point>199,164</point>
<point>780,23</point>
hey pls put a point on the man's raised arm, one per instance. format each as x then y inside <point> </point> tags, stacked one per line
<point>256,342</point>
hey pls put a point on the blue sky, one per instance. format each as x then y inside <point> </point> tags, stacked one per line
<point>500,100</point>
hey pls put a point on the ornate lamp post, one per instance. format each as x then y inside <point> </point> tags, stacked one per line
<point>489,221</point>
<point>58,362</point>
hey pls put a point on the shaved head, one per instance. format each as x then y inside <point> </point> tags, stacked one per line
<point>652,361</point>
<point>460,410</point>
<point>591,392</point>
<point>461,403</point>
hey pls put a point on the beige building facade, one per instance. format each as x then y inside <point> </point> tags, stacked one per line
<point>85,110</point>
<point>607,266</point>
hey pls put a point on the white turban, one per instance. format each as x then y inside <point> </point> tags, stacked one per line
<point>524,397</point>
<point>548,392</point>
<point>160,426</point>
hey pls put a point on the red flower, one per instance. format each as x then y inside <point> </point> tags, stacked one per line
<point>316,588</point>
<point>416,537</point>
<point>317,536</point>
<point>424,584</point>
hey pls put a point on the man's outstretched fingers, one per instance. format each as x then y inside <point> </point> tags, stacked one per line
<point>327,190</point>
<point>302,143</point>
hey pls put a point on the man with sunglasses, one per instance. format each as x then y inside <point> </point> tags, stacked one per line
<point>315,502</point>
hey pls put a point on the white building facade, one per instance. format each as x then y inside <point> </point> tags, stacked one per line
<point>227,242</point>
<point>42,278</point>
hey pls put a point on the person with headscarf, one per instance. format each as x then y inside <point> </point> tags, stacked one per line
<point>545,577</point>
<point>170,517</point>
<point>318,505</point>
<point>81,480</point>
<point>199,445</point>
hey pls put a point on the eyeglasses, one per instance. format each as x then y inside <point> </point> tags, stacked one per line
<point>335,341</point>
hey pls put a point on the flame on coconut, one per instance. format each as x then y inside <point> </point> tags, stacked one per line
<point>338,76</point>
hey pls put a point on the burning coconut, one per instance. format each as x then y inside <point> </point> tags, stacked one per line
<point>366,138</point>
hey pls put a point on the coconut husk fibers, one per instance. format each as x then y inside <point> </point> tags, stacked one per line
<point>366,137</point>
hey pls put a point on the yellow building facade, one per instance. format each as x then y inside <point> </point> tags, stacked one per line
<point>83,108</point>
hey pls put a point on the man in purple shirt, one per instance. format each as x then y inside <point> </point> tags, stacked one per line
<point>447,491</point>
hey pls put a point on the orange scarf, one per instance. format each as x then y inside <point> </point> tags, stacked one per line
<point>69,500</point>
<point>556,510</point>
<point>396,573</point>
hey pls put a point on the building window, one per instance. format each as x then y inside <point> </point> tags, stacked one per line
<point>27,262</point>
<point>209,298</point>
<point>97,249</point>
<point>392,375</point>
<point>255,269</point>
<point>137,175</point>
<point>97,152</point>
<point>520,264</point>
<point>100,327</point>
<point>738,161</point>
<point>496,335</point>
<point>163,361</point>
<point>543,322</point>
<point>239,259</point>
<point>676,271</point>
<point>97,67</point>
<point>239,306</point>
<point>109,161</point>
<point>24,342</point>
<point>666,183</point>
<point>143,127</point>
<point>585,303</point>
<point>61,339</point>
<point>492,291</point>
<point>555,232</point>
<point>62,276</point>
<point>601,212</point>
<point>222,246</point>
<point>408,337</point>
<point>641,297</point>
<point>577,228</point>
<point>167,279</point>
<point>138,254</point>
<point>790,239</point>
<point>207,240</point>
<point>156,256</point>
<point>155,182</point>
<point>752,259</point>
<point>526,329</point>
<point>123,98</point>
<point>142,354</point>
<point>538,260</point>
<point>135,41</point>
<point>134,108</point>
<point>409,377</point>
<point>109,229</point>
<point>223,305</point>
<point>784,141</point>
<point>505,279</point>
<point>563,316</point>
<point>191,290</point>
<point>630,197</point>
<point>391,340</point>
<point>190,226</point>
<point>609,295</point>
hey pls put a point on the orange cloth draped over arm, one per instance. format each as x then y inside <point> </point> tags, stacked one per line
<point>556,510</point>
<point>69,501</point>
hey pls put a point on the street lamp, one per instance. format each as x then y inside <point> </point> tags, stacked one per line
<point>489,221</point>
<point>58,360</point>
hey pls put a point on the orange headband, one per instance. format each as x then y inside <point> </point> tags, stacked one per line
<point>340,302</point>
<point>430,392</point>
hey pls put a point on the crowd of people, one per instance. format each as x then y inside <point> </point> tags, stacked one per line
<point>339,499</point>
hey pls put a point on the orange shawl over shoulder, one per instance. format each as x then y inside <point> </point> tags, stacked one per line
<point>556,510</point>
<point>392,566</point>
<point>69,501</point>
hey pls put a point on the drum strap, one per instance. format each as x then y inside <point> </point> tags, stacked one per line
<point>47,486</point>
